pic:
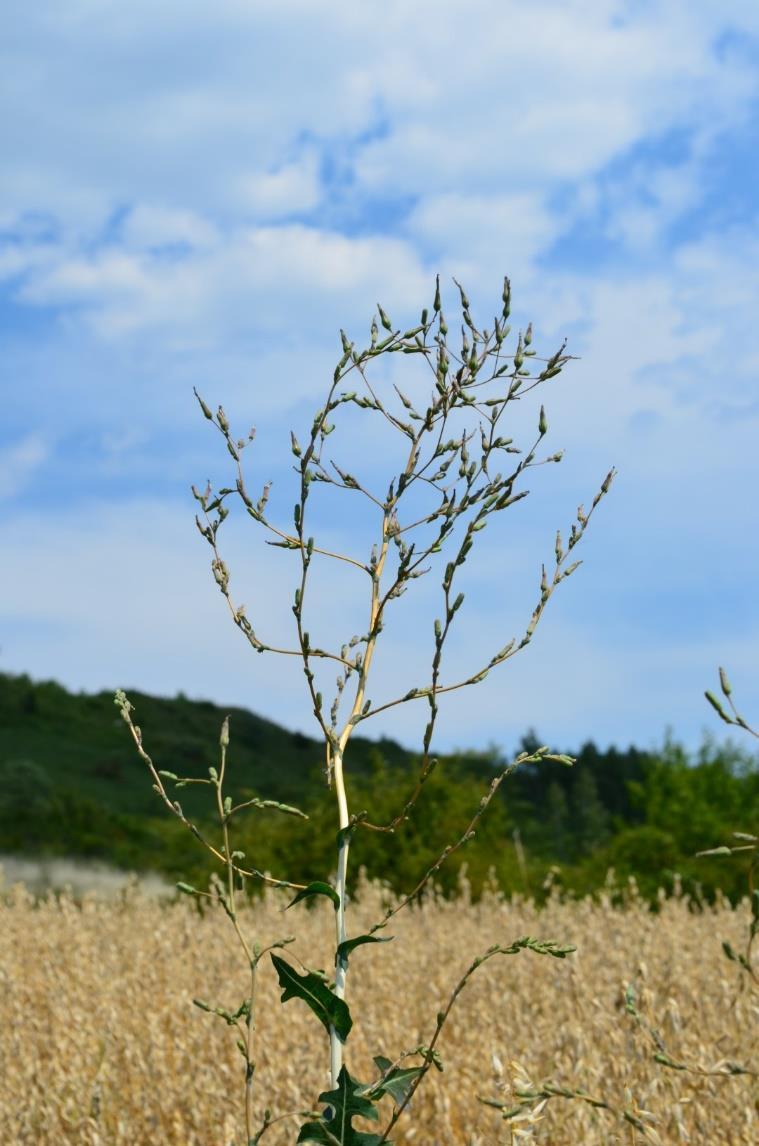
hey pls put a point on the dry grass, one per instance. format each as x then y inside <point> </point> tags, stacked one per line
<point>101,1044</point>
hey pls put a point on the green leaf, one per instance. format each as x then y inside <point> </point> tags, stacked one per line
<point>344,1104</point>
<point>398,1081</point>
<point>344,949</point>
<point>329,1010</point>
<point>316,888</point>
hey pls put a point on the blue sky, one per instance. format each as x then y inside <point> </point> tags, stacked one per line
<point>202,195</point>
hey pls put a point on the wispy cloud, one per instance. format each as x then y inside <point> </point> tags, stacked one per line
<point>18,463</point>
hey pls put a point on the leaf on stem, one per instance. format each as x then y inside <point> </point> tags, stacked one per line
<point>344,1104</point>
<point>348,945</point>
<point>316,888</point>
<point>396,1082</point>
<point>330,1011</point>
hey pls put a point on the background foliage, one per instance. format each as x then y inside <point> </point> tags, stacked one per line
<point>70,786</point>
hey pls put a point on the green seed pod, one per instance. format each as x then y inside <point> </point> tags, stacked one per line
<point>717,706</point>
<point>506,298</point>
<point>384,318</point>
<point>519,353</point>
<point>204,408</point>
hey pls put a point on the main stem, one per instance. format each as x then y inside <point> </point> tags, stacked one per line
<point>337,755</point>
<point>341,966</point>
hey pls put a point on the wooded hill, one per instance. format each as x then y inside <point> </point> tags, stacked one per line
<point>72,784</point>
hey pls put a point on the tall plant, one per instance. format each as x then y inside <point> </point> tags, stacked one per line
<point>458,473</point>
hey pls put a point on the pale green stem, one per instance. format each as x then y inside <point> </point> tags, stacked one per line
<point>335,1043</point>
<point>232,911</point>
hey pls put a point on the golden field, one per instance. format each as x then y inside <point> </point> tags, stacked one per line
<point>100,1042</point>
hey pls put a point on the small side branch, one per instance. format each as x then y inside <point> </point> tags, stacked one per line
<point>523,758</point>
<point>126,709</point>
<point>429,1053</point>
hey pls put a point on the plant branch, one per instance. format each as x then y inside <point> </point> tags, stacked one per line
<point>523,758</point>
<point>525,943</point>
<point>126,709</point>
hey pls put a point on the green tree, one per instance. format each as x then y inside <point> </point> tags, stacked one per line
<point>591,821</point>
<point>26,802</point>
<point>557,820</point>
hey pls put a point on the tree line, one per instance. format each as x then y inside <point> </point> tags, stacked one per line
<point>70,785</point>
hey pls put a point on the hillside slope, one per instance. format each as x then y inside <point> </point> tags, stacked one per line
<point>82,744</point>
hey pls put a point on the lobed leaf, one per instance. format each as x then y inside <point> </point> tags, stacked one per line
<point>344,1104</point>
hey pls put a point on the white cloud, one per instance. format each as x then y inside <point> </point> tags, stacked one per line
<point>290,188</point>
<point>19,462</point>
<point>153,162</point>
<point>185,107</point>
<point>145,120</point>
<point>555,92</point>
<point>150,227</point>
<point>238,283</point>
<point>487,232</point>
